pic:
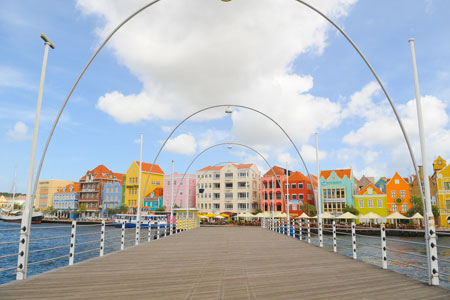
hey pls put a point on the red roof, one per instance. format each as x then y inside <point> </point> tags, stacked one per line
<point>76,188</point>
<point>100,172</point>
<point>157,191</point>
<point>376,190</point>
<point>209,168</point>
<point>119,176</point>
<point>146,168</point>
<point>279,171</point>
<point>339,173</point>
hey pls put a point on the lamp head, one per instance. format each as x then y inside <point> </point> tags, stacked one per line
<point>230,146</point>
<point>47,40</point>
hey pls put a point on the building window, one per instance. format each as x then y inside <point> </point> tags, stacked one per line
<point>228,175</point>
<point>447,186</point>
<point>393,194</point>
<point>278,196</point>
<point>300,196</point>
<point>294,197</point>
<point>370,203</point>
<point>228,205</point>
<point>300,185</point>
<point>361,203</point>
<point>228,195</point>
<point>293,186</point>
<point>228,185</point>
<point>216,206</point>
<point>403,194</point>
<point>447,204</point>
<point>404,208</point>
<point>397,181</point>
<point>380,203</point>
<point>394,207</point>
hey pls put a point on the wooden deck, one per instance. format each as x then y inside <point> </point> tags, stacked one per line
<point>222,263</point>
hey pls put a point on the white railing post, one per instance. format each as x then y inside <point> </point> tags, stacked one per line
<point>149,235</point>
<point>383,247</point>
<point>138,229</point>
<point>122,242</point>
<point>309,231</point>
<point>102,239</point>
<point>293,228</point>
<point>300,228</point>
<point>334,237</point>
<point>320,232</point>
<point>158,232</point>
<point>72,243</point>
<point>354,240</point>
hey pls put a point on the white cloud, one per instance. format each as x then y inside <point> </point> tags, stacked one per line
<point>182,144</point>
<point>308,153</point>
<point>379,139</point>
<point>14,78</point>
<point>19,132</point>
<point>219,53</point>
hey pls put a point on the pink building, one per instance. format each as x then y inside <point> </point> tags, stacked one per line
<point>186,190</point>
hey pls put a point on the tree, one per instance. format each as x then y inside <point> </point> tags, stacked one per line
<point>350,209</point>
<point>308,209</point>
<point>417,207</point>
<point>162,208</point>
<point>81,209</point>
<point>176,206</point>
<point>17,206</point>
<point>123,209</point>
<point>258,210</point>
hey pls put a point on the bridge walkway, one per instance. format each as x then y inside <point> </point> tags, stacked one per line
<point>222,263</point>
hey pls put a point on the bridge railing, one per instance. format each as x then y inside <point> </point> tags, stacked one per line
<point>376,245</point>
<point>57,246</point>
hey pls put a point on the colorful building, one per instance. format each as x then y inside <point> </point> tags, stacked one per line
<point>154,200</point>
<point>271,191</point>
<point>112,195</point>
<point>186,190</point>
<point>443,190</point>
<point>414,186</point>
<point>45,191</point>
<point>232,188</point>
<point>381,184</point>
<point>92,188</point>
<point>398,194</point>
<point>337,190</point>
<point>65,200</point>
<point>155,180</point>
<point>371,199</point>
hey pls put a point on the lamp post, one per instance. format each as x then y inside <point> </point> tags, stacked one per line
<point>171,201</point>
<point>318,201</point>
<point>430,230</point>
<point>138,215</point>
<point>25,228</point>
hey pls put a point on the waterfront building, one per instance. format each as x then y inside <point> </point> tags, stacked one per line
<point>112,194</point>
<point>45,191</point>
<point>300,190</point>
<point>154,200</point>
<point>4,203</point>
<point>186,219</point>
<point>156,179</point>
<point>381,184</point>
<point>65,200</point>
<point>443,190</point>
<point>92,189</point>
<point>364,181</point>
<point>337,190</point>
<point>232,188</point>
<point>414,186</point>
<point>186,190</point>
<point>398,194</point>
<point>371,199</point>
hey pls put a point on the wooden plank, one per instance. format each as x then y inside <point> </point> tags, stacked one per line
<point>222,263</point>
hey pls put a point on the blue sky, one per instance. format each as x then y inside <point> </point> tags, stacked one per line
<point>176,58</point>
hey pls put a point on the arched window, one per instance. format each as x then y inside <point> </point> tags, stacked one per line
<point>278,207</point>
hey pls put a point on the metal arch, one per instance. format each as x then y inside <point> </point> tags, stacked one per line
<point>231,143</point>
<point>240,106</point>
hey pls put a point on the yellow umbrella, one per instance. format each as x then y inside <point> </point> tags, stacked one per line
<point>210,215</point>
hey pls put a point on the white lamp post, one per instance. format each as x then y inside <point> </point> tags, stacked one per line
<point>25,228</point>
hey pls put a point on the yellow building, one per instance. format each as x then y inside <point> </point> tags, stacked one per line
<point>443,187</point>
<point>45,191</point>
<point>185,220</point>
<point>132,182</point>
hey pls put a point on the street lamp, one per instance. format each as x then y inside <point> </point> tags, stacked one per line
<point>25,228</point>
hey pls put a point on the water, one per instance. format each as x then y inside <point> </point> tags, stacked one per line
<point>87,245</point>
<point>90,234</point>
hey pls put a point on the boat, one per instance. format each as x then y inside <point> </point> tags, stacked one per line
<point>16,217</point>
<point>130,220</point>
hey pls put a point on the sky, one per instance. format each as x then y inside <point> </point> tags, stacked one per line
<point>178,57</point>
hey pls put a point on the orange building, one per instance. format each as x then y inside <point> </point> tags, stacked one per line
<point>398,195</point>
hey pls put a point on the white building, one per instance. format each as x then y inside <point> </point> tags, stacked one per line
<point>229,188</point>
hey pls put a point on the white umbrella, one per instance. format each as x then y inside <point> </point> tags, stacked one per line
<point>347,215</point>
<point>417,216</point>
<point>219,217</point>
<point>370,216</point>
<point>303,216</point>
<point>397,216</point>
<point>327,215</point>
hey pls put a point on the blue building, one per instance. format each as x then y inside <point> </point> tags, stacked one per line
<point>381,184</point>
<point>154,200</point>
<point>337,189</point>
<point>112,196</point>
<point>65,200</point>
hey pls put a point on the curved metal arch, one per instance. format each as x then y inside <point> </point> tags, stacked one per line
<point>154,2</point>
<point>231,143</point>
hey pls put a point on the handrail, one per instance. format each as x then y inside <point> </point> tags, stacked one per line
<point>50,238</point>
<point>47,249</point>
<point>45,260</point>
